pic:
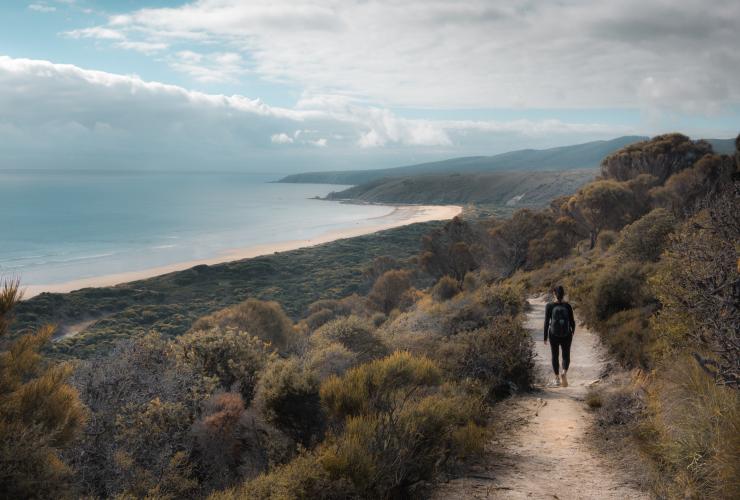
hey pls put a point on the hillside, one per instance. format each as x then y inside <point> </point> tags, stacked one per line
<point>578,156</point>
<point>512,189</point>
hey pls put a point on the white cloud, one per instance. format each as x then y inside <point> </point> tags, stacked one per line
<point>281,138</point>
<point>123,121</point>
<point>41,8</point>
<point>209,68</point>
<point>96,32</point>
<point>143,47</point>
<point>478,53</point>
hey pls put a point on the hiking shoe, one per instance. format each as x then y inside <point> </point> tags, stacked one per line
<point>557,381</point>
<point>564,379</point>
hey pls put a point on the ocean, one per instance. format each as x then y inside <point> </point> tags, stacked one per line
<point>60,226</point>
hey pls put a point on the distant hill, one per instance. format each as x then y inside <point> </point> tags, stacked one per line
<point>513,189</point>
<point>579,156</point>
<point>723,146</point>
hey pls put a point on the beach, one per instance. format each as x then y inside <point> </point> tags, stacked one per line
<point>399,216</point>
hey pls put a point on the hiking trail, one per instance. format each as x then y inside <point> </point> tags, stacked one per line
<point>544,453</point>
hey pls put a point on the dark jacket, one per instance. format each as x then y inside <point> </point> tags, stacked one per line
<point>548,316</point>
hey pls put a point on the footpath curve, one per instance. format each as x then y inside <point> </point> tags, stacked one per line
<point>544,454</point>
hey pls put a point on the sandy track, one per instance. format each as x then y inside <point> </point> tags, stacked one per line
<point>544,453</point>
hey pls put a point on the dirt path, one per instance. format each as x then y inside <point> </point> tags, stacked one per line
<point>545,455</point>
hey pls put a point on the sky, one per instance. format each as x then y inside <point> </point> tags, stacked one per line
<point>285,86</point>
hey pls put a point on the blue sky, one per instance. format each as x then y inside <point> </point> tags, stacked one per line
<point>329,84</point>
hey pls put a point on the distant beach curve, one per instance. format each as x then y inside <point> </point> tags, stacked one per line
<point>399,216</point>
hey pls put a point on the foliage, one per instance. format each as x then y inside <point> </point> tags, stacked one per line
<point>509,242</point>
<point>447,251</point>
<point>446,288</point>
<point>698,285</point>
<point>331,359</point>
<point>353,333</point>
<point>288,397</point>
<point>232,357</point>
<point>169,304</point>
<point>388,290</point>
<point>661,156</point>
<point>265,320</point>
<point>600,205</point>
<point>645,239</point>
<point>40,413</point>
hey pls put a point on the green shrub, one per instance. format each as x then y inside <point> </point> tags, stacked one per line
<point>628,336</point>
<point>319,318</point>
<point>499,356</point>
<point>288,397</point>
<point>501,300</point>
<point>375,386</point>
<point>645,239</point>
<point>233,357</point>
<point>330,359</point>
<point>388,290</point>
<point>353,333</point>
<point>606,239</point>
<point>617,288</point>
<point>265,320</point>
<point>445,288</point>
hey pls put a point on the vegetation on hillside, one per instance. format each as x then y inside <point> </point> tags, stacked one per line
<point>380,386</point>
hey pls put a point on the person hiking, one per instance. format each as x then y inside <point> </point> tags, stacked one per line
<point>560,325</point>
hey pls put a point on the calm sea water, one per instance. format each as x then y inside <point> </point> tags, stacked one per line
<point>62,226</point>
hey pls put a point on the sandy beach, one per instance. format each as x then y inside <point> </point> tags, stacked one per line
<point>399,216</point>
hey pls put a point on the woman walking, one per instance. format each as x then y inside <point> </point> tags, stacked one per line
<point>560,325</point>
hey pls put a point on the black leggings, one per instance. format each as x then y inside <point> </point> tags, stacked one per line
<point>563,343</point>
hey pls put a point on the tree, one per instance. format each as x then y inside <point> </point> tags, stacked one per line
<point>509,240</point>
<point>40,414</point>
<point>604,204</point>
<point>449,251</point>
<point>661,156</point>
<point>645,239</point>
<point>388,290</point>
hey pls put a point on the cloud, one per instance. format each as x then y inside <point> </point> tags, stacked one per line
<point>478,53</point>
<point>143,47</point>
<point>96,32</point>
<point>281,138</point>
<point>60,115</point>
<point>209,68</point>
<point>41,8</point>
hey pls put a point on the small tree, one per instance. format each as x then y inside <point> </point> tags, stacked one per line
<point>602,205</point>
<point>40,414</point>
<point>449,251</point>
<point>388,290</point>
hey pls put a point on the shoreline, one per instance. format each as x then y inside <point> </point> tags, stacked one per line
<point>401,215</point>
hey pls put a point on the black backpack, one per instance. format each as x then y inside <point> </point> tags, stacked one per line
<point>560,321</point>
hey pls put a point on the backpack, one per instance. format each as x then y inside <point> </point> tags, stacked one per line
<point>560,321</point>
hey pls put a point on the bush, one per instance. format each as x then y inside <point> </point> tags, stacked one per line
<point>388,290</point>
<point>629,338</point>
<point>233,357</point>
<point>645,239</point>
<point>501,300</point>
<point>354,334</point>
<point>374,386</point>
<point>445,288</point>
<point>319,318</point>
<point>233,443</point>
<point>499,356</point>
<point>617,288</point>
<point>693,431</point>
<point>606,239</point>
<point>331,359</point>
<point>288,397</point>
<point>265,320</point>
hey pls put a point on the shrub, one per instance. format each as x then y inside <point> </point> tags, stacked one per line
<point>375,386</point>
<point>234,443</point>
<point>354,334</point>
<point>40,413</point>
<point>445,288</point>
<point>330,359</point>
<point>288,397</point>
<point>501,300</point>
<point>645,239</point>
<point>319,318</point>
<point>617,288</point>
<point>629,338</point>
<point>378,319</point>
<point>233,357</point>
<point>606,239</point>
<point>265,320</point>
<point>693,431</point>
<point>499,356</point>
<point>388,290</point>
